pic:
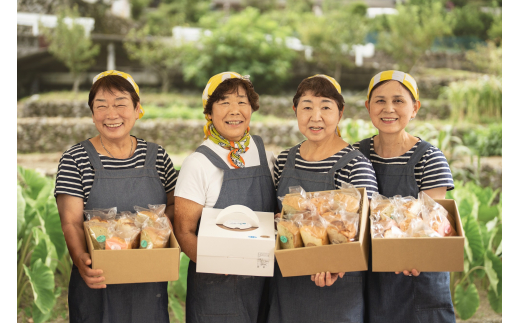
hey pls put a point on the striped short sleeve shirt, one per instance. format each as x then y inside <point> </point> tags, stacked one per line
<point>432,170</point>
<point>75,173</point>
<point>358,172</point>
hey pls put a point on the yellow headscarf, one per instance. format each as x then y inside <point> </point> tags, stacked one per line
<point>126,77</point>
<point>213,83</point>
<point>401,77</point>
<point>336,85</point>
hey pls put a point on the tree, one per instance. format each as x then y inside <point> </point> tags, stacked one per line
<point>333,35</point>
<point>161,54</point>
<point>247,43</point>
<point>69,43</point>
<point>412,32</point>
<point>171,13</point>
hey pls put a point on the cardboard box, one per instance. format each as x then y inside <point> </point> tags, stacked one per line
<point>423,253</point>
<point>136,265</point>
<point>346,257</point>
<point>222,250</point>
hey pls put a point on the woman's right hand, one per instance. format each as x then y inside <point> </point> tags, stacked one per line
<point>92,277</point>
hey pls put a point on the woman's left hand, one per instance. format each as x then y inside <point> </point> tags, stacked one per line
<point>414,272</point>
<point>326,279</point>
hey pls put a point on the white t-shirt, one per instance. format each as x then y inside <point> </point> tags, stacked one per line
<point>200,181</point>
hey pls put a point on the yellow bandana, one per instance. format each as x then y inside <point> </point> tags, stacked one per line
<point>336,85</point>
<point>212,85</point>
<point>126,77</point>
<point>401,77</point>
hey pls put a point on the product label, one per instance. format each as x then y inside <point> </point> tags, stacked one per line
<point>101,239</point>
<point>283,239</point>
<point>144,243</point>
<point>263,260</point>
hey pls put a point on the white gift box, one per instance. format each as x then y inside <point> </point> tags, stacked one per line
<point>237,241</point>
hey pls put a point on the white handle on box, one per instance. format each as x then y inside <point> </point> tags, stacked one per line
<point>238,212</point>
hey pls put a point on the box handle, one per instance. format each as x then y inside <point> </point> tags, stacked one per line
<point>238,212</point>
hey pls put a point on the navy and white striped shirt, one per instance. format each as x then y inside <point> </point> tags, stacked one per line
<point>75,173</point>
<point>431,171</point>
<point>358,172</point>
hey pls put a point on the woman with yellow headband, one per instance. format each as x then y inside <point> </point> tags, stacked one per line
<point>112,169</point>
<point>405,165</point>
<point>322,162</point>
<point>230,167</point>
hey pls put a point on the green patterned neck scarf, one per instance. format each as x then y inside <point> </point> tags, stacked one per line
<point>236,147</point>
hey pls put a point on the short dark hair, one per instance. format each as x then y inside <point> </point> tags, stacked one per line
<point>381,83</point>
<point>110,83</point>
<point>229,86</point>
<point>319,86</point>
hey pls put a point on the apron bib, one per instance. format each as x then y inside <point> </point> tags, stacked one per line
<point>140,302</point>
<point>234,298</point>
<point>298,299</point>
<point>397,298</point>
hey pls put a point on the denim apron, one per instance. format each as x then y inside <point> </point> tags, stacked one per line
<point>298,299</point>
<point>397,298</point>
<point>214,298</point>
<point>142,302</point>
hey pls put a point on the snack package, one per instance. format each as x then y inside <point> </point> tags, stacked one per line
<point>154,212</point>
<point>383,215</point>
<point>313,230</point>
<point>408,206</point>
<point>100,222</point>
<point>347,198</point>
<point>289,233</point>
<point>321,202</point>
<point>155,234</point>
<point>342,227</point>
<point>436,216</point>
<point>296,201</point>
<point>123,237</point>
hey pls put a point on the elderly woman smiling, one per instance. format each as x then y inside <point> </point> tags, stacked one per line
<point>404,165</point>
<point>230,167</point>
<point>322,162</point>
<point>112,169</point>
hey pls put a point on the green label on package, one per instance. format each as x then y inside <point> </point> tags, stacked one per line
<point>144,243</point>
<point>101,239</point>
<point>283,239</point>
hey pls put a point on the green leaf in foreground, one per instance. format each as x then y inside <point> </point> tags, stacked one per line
<point>20,214</point>
<point>41,278</point>
<point>490,271</point>
<point>474,240</point>
<point>495,300</point>
<point>466,301</point>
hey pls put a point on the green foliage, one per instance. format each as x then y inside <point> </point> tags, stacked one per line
<point>177,290</point>
<point>471,21</point>
<point>41,248</point>
<point>70,45</point>
<point>333,34</point>
<point>260,52</point>
<point>161,54</point>
<point>485,141</point>
<point>482,222</point>
<point>171,13</point>
<point>413,30</point>
<point>487,58</point>
<point>472,100</point>
<point>353,131</point>
<point>262,5</point>
<point>495,31</point>
<point>299,6</point>
<point>137,7</point>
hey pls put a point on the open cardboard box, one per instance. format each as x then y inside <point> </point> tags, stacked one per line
<point>423,253</point>
<point>346,257</point>
<point>136,265</point>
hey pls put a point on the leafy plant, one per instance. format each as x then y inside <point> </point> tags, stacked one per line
<point>486,58</point>
<point>355,130</point>
<point>481,219</point>
<point>485,141</point>
<point>41,249</point>
<point>177,290</point>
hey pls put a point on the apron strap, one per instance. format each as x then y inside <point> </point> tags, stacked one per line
<point>422,147</point>
<point>291,157</point>
<point>364,147</point>
<point>93,155</point>
<point>343,161</point>
<point>261,149</point>
<point>151,154</point>
<point>212,156</point>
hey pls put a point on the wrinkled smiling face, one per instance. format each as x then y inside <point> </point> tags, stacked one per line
<point>317,117</point>
<point>232,114</point>
<point>391,107</point>
<point>114,114</point>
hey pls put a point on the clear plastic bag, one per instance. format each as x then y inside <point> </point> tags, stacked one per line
<point>342,227</point>
<point>295,201</point>
<point>153,212</point>
<point>289,234</point>
<point>321,202</point>
<point>100,222</point>
<point>127,227</point>
<point>155,234</point>
<point>313,230</point>
<point>347,198</point>
<point>436,216</point>
<point>123,237</point>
